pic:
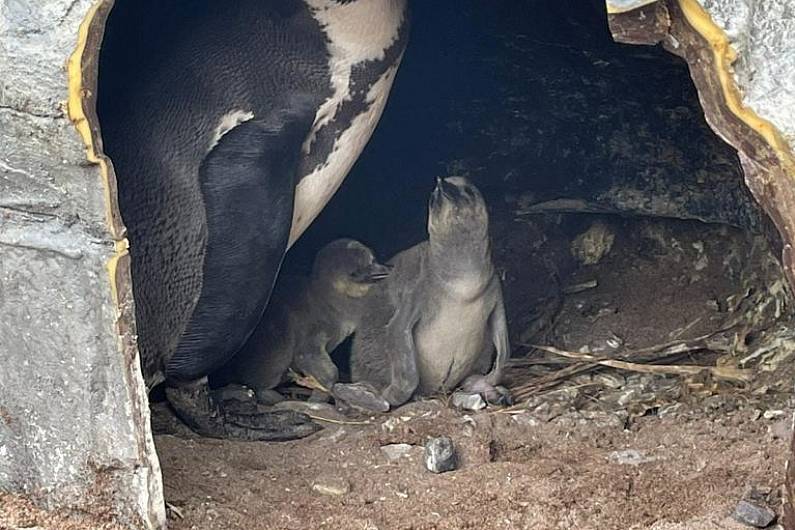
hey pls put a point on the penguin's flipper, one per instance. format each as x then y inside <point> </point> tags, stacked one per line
<point>248,186</point>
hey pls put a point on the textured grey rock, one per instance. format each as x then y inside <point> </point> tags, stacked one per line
<point>440,455</point>
<point>630,457</point>
<point>394,452</point>
<point>753,514</point>
<point>467,401</point>
<point>331,486</point>
<point>763,34</point>
<point>74,422</point>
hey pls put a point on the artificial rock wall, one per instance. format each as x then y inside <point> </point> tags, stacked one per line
<point>74,424</point>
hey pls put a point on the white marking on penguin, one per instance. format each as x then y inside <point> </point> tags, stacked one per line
<point>357,32</point>
<point>360,31</point>
<point>229,121</point>
<point>316,189</point>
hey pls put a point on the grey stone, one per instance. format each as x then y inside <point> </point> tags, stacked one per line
<point>630,457</point>
<point>753,514</point>
<point>394,452</point>
<point>331,486</point>
<point>467,401</point>
<point>440,455</point>
<point>73,406</point>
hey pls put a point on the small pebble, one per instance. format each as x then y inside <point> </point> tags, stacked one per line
<point>440,455</point>
<point>395,452</point>
<point>331,486</point>
<point>467,401</point>
<point>753,514</point>
<point>771,414</point>
<point>630,457</point>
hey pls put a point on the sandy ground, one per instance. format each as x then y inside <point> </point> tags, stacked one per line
<point>648,453</point>
<point>515,472</point>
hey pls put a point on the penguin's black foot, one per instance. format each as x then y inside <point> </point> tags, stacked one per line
<point>361,396</point>
<point>235,419</point>
<point>493,394</point>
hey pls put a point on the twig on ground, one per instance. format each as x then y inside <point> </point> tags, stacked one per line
<point>338,422</point>
<point>634,360</point>
<point>721,372</point>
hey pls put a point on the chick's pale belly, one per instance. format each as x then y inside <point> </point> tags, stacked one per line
<point>449,343</point>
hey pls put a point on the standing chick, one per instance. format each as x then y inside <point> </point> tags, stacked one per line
<point>439,319</point>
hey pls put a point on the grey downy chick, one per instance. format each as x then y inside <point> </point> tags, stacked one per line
<point>307,319</point>
<point>438,320</point>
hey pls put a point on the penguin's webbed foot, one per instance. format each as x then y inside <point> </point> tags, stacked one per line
<point>493,394</point>
<point>235,419</point>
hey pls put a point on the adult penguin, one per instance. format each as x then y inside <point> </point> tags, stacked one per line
<point>230,125</point>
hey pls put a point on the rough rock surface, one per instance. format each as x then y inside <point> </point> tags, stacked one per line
<point>762,33</point>
<point>74,429</point>
<point>742,61</point>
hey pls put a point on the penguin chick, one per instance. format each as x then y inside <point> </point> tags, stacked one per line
<point>307,319</point>
<point>439,318</point>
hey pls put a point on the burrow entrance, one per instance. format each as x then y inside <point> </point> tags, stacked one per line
<point>649,318</point>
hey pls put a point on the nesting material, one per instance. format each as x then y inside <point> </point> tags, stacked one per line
<point>686,317</point>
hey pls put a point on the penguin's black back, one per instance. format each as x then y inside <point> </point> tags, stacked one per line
<point>169,71</point>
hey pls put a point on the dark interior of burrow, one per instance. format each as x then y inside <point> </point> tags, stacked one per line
<point>621,225</point>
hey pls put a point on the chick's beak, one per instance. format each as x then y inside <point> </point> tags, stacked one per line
<point>373,273</point>
<point>378,271</point>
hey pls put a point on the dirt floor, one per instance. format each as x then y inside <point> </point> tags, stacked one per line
<point>599,448</point>
<point>515,472</point>
<point>586,446</point>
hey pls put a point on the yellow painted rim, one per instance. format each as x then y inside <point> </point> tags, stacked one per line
<point>76,112</point>
<point>724,56</point>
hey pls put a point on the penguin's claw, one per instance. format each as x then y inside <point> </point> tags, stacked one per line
<point>500,396</point>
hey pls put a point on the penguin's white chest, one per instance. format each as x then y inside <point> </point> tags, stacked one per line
<point>449,342</point>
